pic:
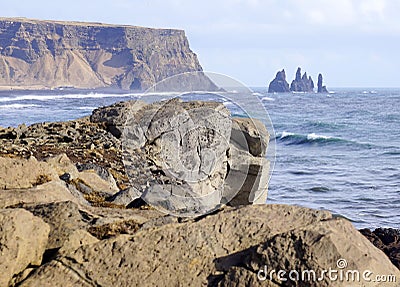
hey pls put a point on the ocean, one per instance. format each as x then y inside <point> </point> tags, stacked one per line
<point>338,151</point>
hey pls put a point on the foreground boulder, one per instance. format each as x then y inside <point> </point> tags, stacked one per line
<point>188,157</point>
<point>23,240</point>
<point>16,174</point>
<point>228,248</point>
<point>183,147</point>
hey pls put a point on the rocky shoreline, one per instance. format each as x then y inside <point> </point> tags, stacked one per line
<point>74,205</point>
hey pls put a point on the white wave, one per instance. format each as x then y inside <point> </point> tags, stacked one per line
<point>58,97</point>
<point>228,103</point>
<point>314,136</point>
<point>18,106</point>
<point>370,92</point>
<point>286,134</point>
<point>87,108</point>
<point>267,99</point>
<point>257,94</point>
<point>39,97</point>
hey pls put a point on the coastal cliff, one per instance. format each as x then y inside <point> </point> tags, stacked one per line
<point>38,54</point>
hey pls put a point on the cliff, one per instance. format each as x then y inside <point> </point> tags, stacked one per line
<point>49,54</point>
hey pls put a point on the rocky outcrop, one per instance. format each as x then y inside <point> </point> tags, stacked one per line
<point>302,83</point>
<point>133,149</point>
<point>50,54</point>
<point>320,87</point>
<point>113,118</point>
<point>30,173</point>
<point>248,167</point>
<point>279,84</point>
<point>23,240</point>
<point>219,249</point>
<point>175,154</point>
<point>89,224</point>
<point>387,240</point>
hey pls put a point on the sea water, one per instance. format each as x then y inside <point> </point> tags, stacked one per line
<point>338,151</point>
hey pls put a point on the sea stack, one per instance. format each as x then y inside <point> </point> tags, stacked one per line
<point>302,83</point>
<point>279,84</point>
<point>321,88</point>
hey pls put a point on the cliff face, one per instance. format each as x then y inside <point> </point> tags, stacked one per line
<point>49,54</point>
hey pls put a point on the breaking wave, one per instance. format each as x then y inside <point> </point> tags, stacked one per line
<point>311,138</point>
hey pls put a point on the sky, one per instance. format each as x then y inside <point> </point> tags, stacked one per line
<point>353,43</point>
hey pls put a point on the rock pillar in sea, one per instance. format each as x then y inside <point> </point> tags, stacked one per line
<point>321,88</point>
<point>279,84</point>
<point>302,83</point>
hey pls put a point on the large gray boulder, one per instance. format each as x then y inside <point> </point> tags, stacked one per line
<point>188,158</point>
<point>175,153</point>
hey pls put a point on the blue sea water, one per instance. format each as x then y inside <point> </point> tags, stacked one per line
<point>337,151</point>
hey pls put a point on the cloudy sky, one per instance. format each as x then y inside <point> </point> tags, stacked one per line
<point>354,43</point>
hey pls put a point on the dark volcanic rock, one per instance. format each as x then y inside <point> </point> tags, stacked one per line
<point>49,54</point>
<point>302,83</point>
<point>279,84</point>
<point>321,88</point>
<point>387,240</point>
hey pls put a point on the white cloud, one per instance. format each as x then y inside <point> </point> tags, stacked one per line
<point>373,8</point>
